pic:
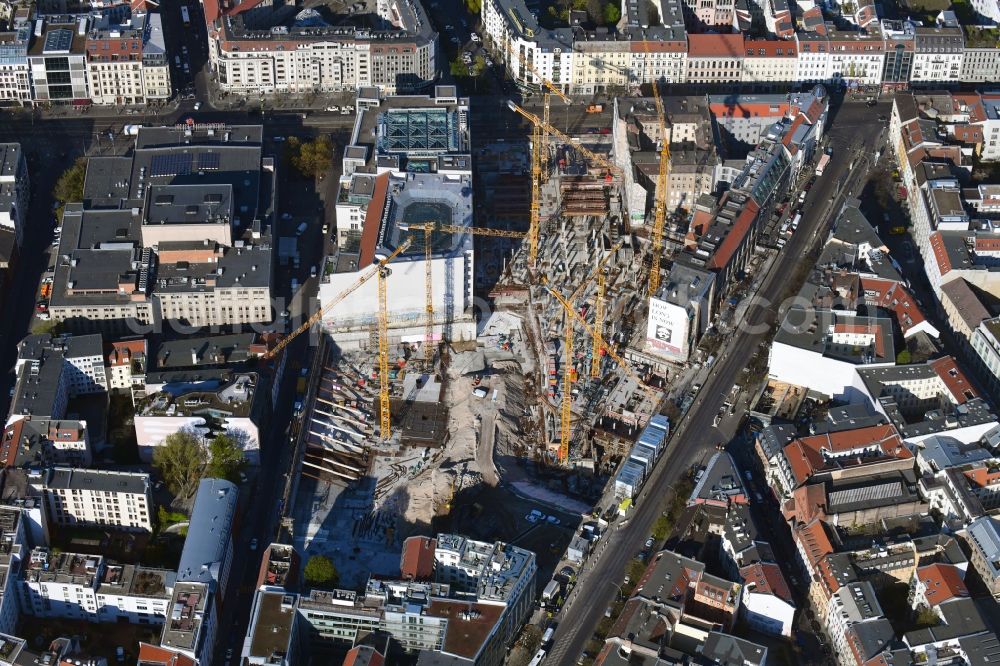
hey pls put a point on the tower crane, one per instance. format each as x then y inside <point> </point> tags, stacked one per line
<point>650,391</point>
<point>381,271</point>
<point>429,228</point>
<point>566,408</point>
<point>583,150</point>
<point>549,89</point>
<point>660,195</point>
<point>318,315</point>
<point>540,127</point>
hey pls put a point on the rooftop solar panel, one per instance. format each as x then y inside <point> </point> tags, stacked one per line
<point>209,161</point>
<point>171,165</point>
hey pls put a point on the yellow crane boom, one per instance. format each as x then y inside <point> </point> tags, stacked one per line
<point>660,210</point>
<point>586,152</point>
<point>429,228</point>
<point>566,410</point>
<point>385,415</point>
<point>650,391</point>
<point>549,89</point>
<point>318,315</point>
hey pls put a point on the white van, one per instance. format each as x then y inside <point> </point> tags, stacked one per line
<point>299,230</point>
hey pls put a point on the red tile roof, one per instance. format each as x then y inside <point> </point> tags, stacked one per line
<point>893,296</point>
<point>973,104</point>
<point>767,579</point>
<point>154,654</point>
<point>121,352</point>
<point>806,456</point>
<point>741,227</point>
<point>770,48</point>
<point>417,562</point>
<point>940,253</point>
<point>814,540</point>
<point>983,476</point>
<point>10,443</point>
<point>953,377</point>
<point>942,582</point>
<point>373,220</point>
<point>985,244</point>
<point>968,134</point>
<point>715,46</point>
<point>372,656</point>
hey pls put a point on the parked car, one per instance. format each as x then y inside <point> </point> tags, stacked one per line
<point>253,544</point>
<point>197,106</point>
<point>649,543</point>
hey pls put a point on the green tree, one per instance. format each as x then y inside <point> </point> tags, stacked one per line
<point>320,572</point>
<point>310,158</point>
<point>458,68</point>
<point>662,527</point>
<point>474,6</point>
<point>478,65</point>
<point>903,357</point>
<point>69,187</point>
<point>225,459</point>
<point>612,14</point>
<point>180,460</point>
<point>47,327</point>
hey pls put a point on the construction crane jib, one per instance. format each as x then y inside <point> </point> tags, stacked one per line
<point>660,209</point>
<point>429,228</point>
<point>318,315</point>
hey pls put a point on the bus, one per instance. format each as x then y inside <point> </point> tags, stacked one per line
<point>185,16</point>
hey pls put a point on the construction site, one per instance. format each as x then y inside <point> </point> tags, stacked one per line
<point>491,344</point>
<point>471,356</point>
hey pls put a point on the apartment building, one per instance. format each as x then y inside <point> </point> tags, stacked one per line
<point>51,370</point>
<point>125,363</point>
<point>97,498</point>
<point>57,58</point>
<point>164,249</point>
<point>769,64</point>
<point>982,536</point>
<point>985,341</point>
<point>937,56</point>
<point>15,186</point>
<point>900,44</point>
<point>208,549</point>
<point>856,58</point>
<point>980,64</point>
<point>715,60</point>
<point>13,548</point>
<point>232,406</point>
<point>126,59</point>
<point>15,68</point>
<point>87,587</point>
<point>253,51</point>
<point>191,624</point>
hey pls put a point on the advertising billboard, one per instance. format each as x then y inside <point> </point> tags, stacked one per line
<point>667,330</point>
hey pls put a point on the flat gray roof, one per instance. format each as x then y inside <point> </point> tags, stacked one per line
<point>68,478</point>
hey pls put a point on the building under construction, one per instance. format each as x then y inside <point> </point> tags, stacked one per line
<point>408,164</point>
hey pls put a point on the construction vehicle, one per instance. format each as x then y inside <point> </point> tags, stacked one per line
<point>379,270</point>
<point>595,108</point>
<point>660,196</point>
<point>429,228</point>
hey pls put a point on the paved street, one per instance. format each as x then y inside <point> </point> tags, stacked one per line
<point>852,133</point>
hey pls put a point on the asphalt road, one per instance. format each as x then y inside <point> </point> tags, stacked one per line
<point>853,133</point>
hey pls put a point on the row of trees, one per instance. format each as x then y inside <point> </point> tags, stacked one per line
<point>183,460</point>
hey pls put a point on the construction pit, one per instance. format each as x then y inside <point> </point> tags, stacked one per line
<point>476,442</point>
